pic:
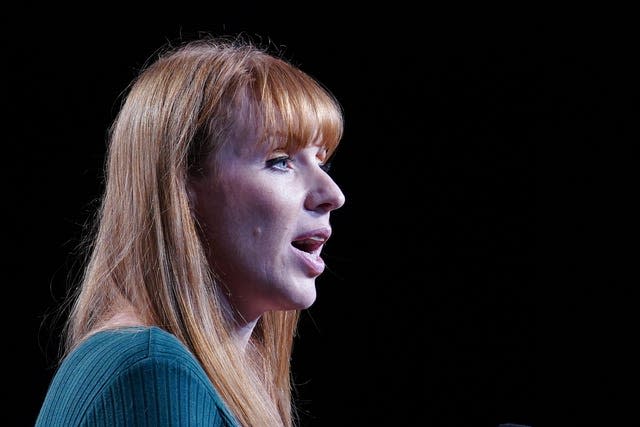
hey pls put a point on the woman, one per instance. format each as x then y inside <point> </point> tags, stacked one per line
<point>208,241</point>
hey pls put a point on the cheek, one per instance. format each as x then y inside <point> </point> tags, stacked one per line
<point>267,208</point>
<point>251,208</point>
<point>267,215</point>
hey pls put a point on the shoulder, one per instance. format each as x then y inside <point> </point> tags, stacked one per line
<point>126,373</point>
<point>110,354</point>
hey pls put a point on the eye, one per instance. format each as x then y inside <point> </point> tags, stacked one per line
<point>323,160</point>
<point>281,163</point>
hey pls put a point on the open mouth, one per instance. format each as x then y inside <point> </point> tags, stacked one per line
<point>308,249</point>
<point>310,244</point>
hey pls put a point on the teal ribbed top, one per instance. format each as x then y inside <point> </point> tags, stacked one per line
<point>132,377</point>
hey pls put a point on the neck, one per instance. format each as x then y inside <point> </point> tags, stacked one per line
<point>242,332</point>
<point>121,319</point>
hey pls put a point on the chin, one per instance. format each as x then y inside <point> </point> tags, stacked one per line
<point>305,298</point>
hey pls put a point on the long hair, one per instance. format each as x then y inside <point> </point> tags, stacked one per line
<point>147,253</point>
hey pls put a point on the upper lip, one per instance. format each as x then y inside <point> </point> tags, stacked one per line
<point>312,240</point>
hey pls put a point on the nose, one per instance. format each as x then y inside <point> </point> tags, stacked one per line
<point>325,195</point>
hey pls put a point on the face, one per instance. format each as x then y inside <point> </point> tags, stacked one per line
<point>265,215</point>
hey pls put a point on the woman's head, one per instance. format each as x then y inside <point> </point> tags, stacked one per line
<point>216,174</point>
<point>205,121</point>
<point>215,211</point>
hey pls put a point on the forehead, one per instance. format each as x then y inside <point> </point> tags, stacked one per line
<point>251,140</point>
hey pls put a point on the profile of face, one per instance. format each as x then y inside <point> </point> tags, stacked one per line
<point>265,214</point>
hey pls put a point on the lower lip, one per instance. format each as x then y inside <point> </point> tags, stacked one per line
<point>313,263</point>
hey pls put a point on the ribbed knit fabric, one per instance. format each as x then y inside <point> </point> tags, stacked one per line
<point>132,377</point>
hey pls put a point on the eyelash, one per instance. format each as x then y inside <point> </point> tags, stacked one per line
<point>272,163</point>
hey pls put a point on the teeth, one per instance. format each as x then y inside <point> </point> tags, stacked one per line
<point>316,238</point>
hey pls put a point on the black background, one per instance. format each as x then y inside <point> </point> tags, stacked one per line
<point>433,310</point>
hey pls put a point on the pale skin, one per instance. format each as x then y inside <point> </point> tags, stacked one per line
<point>266,216</point>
